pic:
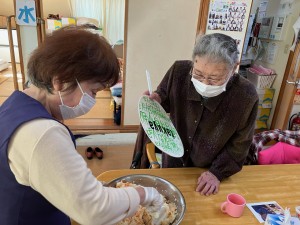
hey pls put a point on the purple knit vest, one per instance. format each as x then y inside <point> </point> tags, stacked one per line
<point>20,204</point>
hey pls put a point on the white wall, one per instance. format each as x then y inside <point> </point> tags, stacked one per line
<point>159,32</point>
<point>29,43</point>
<point>7,7</point>
<point>60,7</point>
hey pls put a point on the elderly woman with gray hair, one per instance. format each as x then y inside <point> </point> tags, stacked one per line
<point>213,109</point>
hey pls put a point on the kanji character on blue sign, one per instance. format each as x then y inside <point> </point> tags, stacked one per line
<point>28,14</point>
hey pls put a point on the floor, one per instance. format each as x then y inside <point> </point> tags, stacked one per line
<point>117,152</point>
<point>7,84</point>
<point>107,139</point>
<point>114,158</point>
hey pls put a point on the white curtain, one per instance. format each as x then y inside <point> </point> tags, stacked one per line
<point>115,14</point>
<point>109,13</point>
<point>88,8</point>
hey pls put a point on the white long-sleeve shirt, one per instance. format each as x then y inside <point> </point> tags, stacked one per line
<point>42,155</point>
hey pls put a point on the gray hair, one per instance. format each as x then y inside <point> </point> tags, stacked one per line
<point>218,47</point>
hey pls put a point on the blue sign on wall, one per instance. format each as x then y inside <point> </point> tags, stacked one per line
<point>25,12</point>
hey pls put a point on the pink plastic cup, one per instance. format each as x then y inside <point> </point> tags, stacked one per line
<point>234,206</point>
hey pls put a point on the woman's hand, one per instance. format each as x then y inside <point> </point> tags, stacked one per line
<point>153,198</point>
<point>153,96</point>
<point>150,197</point>
<point>208,184</point>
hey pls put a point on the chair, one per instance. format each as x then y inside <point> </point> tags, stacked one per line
<point>146,154</point>
<point>150,150</point>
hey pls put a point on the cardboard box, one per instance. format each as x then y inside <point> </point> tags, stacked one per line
<point>263,113</point>
<point>267,91</point>
<point>68,21</point>
<point>53,24</point>
<point>265,97</point>
<point>261,125</point>
<point>265,105</point>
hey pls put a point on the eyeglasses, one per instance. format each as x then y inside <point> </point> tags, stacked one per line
<point>210,81</point>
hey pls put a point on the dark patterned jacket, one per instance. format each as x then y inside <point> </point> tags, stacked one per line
<point>216,132</point>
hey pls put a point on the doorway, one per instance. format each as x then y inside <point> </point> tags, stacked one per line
<point>100,18</point>
<point>10,69</point>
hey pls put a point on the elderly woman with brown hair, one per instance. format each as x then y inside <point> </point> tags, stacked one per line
<point>43,180</point>
<point>213,109</point>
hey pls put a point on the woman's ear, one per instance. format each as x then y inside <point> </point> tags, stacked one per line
<point>57,85</point>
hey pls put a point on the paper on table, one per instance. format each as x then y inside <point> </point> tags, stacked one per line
<point>287,216</point>
<point>261,209</point>
<point>274,219</point>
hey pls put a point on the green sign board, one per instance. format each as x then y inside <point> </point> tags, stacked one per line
<point>159,127</point>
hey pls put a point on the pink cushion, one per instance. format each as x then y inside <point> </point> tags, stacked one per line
<point>280,153</point>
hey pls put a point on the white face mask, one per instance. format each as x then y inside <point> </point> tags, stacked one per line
<point>208,91</point>
<point>86,103</point>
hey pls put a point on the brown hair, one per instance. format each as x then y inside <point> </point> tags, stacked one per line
<point>72,53</point>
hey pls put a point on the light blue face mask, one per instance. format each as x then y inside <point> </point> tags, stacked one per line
<point>86,103</point>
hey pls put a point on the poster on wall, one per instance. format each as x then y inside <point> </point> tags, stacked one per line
<point>270,53</point>
<point>227,15</point>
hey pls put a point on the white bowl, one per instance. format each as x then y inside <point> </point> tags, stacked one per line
<point>164,187</point>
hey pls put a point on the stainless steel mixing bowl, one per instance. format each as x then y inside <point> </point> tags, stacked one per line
<point>166,188</point>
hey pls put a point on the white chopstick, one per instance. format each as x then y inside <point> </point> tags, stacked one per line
<point>149,82</point>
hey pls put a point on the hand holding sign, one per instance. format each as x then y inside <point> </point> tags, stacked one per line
<point>159,128</point>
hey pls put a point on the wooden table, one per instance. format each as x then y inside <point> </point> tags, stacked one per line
<point>279,183</point>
